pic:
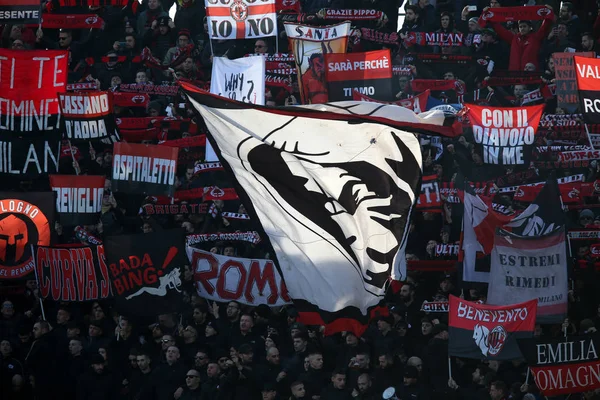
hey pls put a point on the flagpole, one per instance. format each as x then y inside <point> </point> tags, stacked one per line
<point>527,377</point>
<point>73,157</point>
<point>37,279</point>
<point>587,131</point>
<point>449,368</point>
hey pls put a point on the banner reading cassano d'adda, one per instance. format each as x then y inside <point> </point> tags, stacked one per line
<point>144,169</point>
<point>489,332</point>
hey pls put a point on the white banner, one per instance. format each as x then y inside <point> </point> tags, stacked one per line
<point>527,268</point>
<point>245,280</point>
<point>241,19</point>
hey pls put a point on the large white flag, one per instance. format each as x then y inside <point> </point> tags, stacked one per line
<point>333,186</point>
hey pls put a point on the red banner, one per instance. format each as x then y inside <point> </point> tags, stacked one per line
<point>505,135</point>
<point>288,6</point>
<point>74,21</point>
<point>505,14</point>
<point>429,199</point>
<point>78,198</point>
<point>29,81</point>
<point>89,116</point>
<point>191,141</point>
<point>564,156</point>
<point>72,274</point>
<point>144,169</point>
<point>131,99</point>
<point>369,73</point>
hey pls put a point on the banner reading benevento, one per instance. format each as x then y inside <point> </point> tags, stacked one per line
<point>89,116</point>
<point>72,273</point>
<point>29,82</point>
<point>368,73</point>
<point>563,366</point>
<point>241,19</point>
<point>245,280</point>
<point>309,44</point>
<point>25,218</point>
<point>145,270</point>
<point>78,198</point>
<point>490,332</point>
<point>20,11</point>
<point>144,169</point>
<point>242,79</point>
<point>587,71</point>
<point>505,136</point>
<point>531,267</point>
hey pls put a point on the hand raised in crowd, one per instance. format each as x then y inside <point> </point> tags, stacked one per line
<point>178,393</point>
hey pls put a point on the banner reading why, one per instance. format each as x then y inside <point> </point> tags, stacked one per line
<point>29,82</point>
<point>242,79</point>
<point>309,44</point>
<point>566,80</point>
<point>587,71</point>
<point>490,332</point>
<point>248,281</point>
<point>241,19</point>
<point>505,135</point>
<point>531,267</point>
<point>20,11</point>
<point>72,274</point>
<point>78,198</point>
<point>89,116</point>
<point>144,169</point>
<point>563,366</point>
<point>30,157</point>
<point>25,218</point>
<point>368,73</point>
<point>145,270</point>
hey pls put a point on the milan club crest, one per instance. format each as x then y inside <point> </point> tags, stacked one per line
<point>91,20</point>
<point>239,11</point>
<point>487,15</point>
<point>543,12</point>
<point>489,342</point>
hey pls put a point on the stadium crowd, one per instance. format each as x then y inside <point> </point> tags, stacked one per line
<point>227,351</point>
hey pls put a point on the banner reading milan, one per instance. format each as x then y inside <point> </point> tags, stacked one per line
<point>564,366</point>
<point>29,82</point>
<point>245,280</point>
<point>418,103</point>
<point>482,331</point>
<point>309,44</point>
<point>89,116</point>
<point>25,218</point>
<point>587,71</point>
<point>429,199</point>
<point>531,267</point>
<point>241,19</point>
<point>72,273</point>
<point>368,73</point>
<point>505,136</point>
<point>30,157</point>
<point>20,11</point>
<point>144,169</point>
<point>242,79</point>
<point>145,270</point>
<point>78,198</point>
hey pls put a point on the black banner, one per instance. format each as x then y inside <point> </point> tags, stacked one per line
<point>78,198</point>
<point>89,116</point>
<point>563,366</point>
<point>29,157</point>
<point>146,270</point>
<point>72,273</point>
<point>25,218</point>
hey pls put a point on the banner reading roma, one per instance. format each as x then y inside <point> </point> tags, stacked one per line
<point>564,366</point>
<point>309,44</point>
<point>491,332</point>
<point>505,136</point>
<point>25,218</point>
<point>531,267</point>
<point>244,280</point>
<point>368,73</point>
<point>72,273</point>
<point>145,270</point>
<point>29,82</point>
<point>20,11</point>
<point>241,19</point>
<point>144,169</point>
<point>89,116</point>
<point>78,198</point>
<point>587,71</point>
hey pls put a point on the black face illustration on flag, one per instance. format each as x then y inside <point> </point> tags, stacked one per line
<point>334,197</point>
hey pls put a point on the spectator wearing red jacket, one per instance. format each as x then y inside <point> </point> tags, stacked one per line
<point>525,46</point>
